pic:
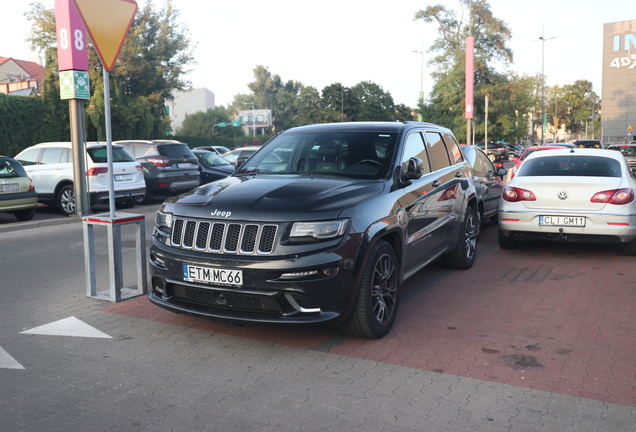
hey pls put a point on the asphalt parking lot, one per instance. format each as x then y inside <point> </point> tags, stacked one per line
<point>534,339</point>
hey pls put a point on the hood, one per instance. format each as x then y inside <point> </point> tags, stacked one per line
<point>274,198</point>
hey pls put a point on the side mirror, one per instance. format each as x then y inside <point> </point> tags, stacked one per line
<point>501,172</point>
<point>240,162</point>
<point>414,170</point>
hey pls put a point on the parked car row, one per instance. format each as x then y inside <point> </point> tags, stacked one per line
<point>142,169</point>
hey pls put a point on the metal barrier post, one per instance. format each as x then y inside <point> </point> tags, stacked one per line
<point>116,291</point>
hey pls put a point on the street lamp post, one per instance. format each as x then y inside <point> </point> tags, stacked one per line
<point>543,114</point>
<point>421,81</point>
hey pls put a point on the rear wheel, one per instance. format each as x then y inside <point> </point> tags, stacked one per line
<point>146,198</point>
<point>463,256</point>
<point>25,215</point>
<point>377,300</point>
<point>506,242</point>
<point>66,200</point>
<point>629,248</point>
<point>126,204</point>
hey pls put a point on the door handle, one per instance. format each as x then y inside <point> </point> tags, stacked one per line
<point>436,183</point>
<point>458,174</point>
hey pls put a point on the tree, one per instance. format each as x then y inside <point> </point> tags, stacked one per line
<point>583,103</point>
<point>204,124</point>
<point>372,103</point>
<point>491,35</point>
<point>150,67</point>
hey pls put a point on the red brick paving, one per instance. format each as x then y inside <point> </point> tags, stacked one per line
<point>559,318</point>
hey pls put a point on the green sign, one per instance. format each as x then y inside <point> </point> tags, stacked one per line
<point>236,123</point>
<point>222,124</point>
<point>74,85</point>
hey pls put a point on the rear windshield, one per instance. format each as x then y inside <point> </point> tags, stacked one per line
<point>175,150</point>
<point>11,168</point>
<point>100,155</point>
<point>570,166</point>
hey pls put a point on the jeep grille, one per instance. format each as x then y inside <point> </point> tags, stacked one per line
<point>223,237</point>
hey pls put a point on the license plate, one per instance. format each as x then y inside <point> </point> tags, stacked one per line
<point>123,177</point>
<point>575,221</point>
<point>11,187</point>
<point>185,165</point>
<point>213,276</point>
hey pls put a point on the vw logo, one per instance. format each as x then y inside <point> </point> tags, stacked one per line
<point>563,195</point>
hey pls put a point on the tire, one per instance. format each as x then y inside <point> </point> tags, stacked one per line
<point>126,204</point>
<point>463,256</point>
<point>480,219</point>
<point>507,242</point>
<point>24,215</point>
<point>492,158</point>
<point>66,200</point>
<point>146,198</point>
<point>378,295</point>
<point>629,248</point>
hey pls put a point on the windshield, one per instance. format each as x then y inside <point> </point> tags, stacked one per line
<point>350,154</point>
<point>570,166</point>
<point>209,159</point>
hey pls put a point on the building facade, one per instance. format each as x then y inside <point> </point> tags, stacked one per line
<point>188,102</point>
<point>20,77</point>
<point>618,97</point>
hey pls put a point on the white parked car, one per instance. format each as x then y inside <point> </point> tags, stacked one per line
<point>50,166</point>
<point>570,195</point>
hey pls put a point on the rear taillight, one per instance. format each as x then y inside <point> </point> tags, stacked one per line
<point>513,194</point>
<point>159,162</point>
<point>450,193</point>
<point>139,168</point>
<point>617,196</point>
<point>31,187</point>
<point>95,171</point>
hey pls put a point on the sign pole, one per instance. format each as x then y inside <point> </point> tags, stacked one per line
<point>109,143</point>
<point>82,200</point>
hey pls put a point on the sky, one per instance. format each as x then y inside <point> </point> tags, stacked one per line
<point>349,41</point>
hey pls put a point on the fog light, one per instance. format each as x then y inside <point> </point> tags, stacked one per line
<point>330,271</point>
<point>159,285</point>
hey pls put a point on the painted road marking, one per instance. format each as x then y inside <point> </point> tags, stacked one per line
<point>8,362</point>
<point>70,326</point>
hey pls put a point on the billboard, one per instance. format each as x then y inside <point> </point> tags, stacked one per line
<point>255,118</point>
<point>618,96</point>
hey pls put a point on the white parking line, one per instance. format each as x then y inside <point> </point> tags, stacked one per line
<point>70,326</point>
<point>8,362</point>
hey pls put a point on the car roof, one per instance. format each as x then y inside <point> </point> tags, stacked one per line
<point>238,149</point>
<point>68,144</point>
<point>577,151</point>
<point>365,126</point>
<point>148,142</point>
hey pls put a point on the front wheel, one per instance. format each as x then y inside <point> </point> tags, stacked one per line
<point>463,256</point>
<point>377,300</point>
<point>66,200</point>
<point>492,158</point>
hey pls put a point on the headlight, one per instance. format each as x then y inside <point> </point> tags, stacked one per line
<point>163,221</point>
<point>318,230</point>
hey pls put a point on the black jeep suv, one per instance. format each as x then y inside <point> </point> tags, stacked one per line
<point>323,236</point>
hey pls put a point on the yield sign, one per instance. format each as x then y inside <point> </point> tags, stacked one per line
<point>108,22</point>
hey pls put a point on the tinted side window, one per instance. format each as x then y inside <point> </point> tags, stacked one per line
<point>52,155</point>
<point>100,155</point>
<point>415,147</point>
<point>453,149</point>
<point>478,166</point>
<point>439,155</point>
<point>29,157</point>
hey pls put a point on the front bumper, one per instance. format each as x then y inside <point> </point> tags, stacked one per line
<point>267,296</point>
<point>599,227</point>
